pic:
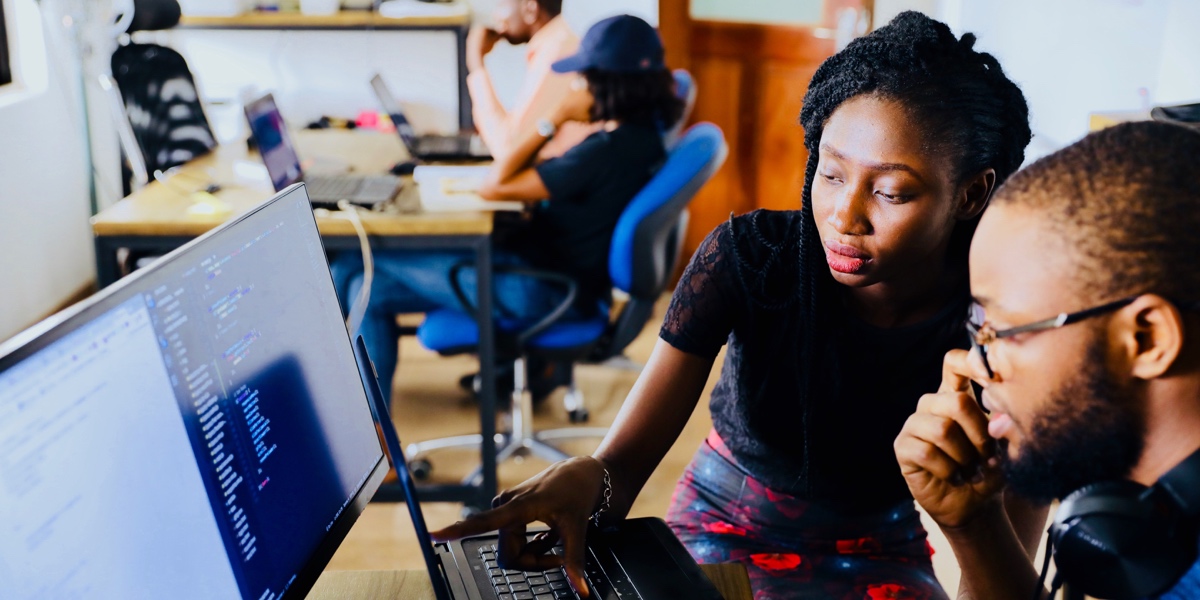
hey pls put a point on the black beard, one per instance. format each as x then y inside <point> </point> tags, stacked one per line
<point>1090,432</point>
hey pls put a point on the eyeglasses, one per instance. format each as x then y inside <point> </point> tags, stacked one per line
<point>983,335</point>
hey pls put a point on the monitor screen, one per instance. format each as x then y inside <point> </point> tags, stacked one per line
<point>199,430</point>
<point>274,145</point>
<point>392,108</point>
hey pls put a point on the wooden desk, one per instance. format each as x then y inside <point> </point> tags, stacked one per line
<point>361,20</point>
<point>730,579</point>
<point>159,219</point>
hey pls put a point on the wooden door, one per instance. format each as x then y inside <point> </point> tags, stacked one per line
<point>751,78</point>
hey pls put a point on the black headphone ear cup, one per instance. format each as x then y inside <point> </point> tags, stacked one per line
<point>1109,542</point>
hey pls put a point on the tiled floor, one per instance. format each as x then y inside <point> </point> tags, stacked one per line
<point>428,404</point>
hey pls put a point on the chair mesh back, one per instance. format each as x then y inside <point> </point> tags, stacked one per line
<point>162,104</point>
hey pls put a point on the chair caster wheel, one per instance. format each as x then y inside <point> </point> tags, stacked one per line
<point>579,415</point>
<point>420,469</point>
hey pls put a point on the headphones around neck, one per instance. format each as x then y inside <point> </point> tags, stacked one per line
<point>1120,539</point>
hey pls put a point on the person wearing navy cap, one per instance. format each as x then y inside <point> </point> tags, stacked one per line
<point>626,91</point>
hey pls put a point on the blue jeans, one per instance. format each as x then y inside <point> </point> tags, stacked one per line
<point>418,281</point>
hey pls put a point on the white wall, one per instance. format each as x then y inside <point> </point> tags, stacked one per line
<point>315,73</point>
<point>45,239</point>
<point>1075,57</point>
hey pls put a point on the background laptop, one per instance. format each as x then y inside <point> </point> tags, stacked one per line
<point>283,164</point>
<point>462,147</point>
<point>198,430</point>
<point>641,558</point>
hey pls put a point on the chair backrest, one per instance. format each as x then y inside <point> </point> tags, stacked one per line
<point>162,105</point>
<point>154,15</point>
<point>685,89</point>
<point>647,240</point>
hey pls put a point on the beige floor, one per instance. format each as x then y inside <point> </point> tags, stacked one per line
<point>428,404</point>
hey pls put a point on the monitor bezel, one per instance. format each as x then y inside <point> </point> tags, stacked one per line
<point>53,328</point>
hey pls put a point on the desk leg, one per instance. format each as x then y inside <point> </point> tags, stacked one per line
<point>487,372</point>
<point>108,268</point>
<point>466,122</point>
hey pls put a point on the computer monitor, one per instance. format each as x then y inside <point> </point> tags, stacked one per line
<point>274,144</point>
<point>197,430</point>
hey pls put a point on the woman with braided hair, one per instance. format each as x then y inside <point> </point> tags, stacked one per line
<point>836,318</point>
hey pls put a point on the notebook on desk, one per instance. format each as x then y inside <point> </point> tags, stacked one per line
<point>197,430</point>
<point>456,189</point>
<point>283,164</point>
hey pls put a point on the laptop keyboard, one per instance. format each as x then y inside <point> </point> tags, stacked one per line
<point>607,582</point>
<point>353,188</point>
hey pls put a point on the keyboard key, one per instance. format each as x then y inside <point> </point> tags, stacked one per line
<point>540,589</point>
<point>544,597</point>
<point>536,580</point>
<point>523,596</point>
<point>490,564</point>
<point>555,576</point>
<point>502,589</point>
<point>498,581</point>
<point>565,595</point>
<point>506,597</point>
<point>493,572</point>
<point>559,585</point>
<point>519,587</point>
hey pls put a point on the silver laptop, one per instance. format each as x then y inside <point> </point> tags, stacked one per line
<point>283,164</point>
<point>452,148</point>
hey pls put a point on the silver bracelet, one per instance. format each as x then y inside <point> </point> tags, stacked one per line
<point>605,500</point>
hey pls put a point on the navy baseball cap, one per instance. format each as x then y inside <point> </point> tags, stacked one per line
<point>624,44</point>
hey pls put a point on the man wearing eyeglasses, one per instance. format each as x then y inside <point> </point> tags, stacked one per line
<point>1086,345</point>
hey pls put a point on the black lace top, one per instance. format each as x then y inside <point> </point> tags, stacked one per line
<point>741,288</point>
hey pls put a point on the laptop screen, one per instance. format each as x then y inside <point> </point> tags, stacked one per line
<point>199,430</point>
<point>392,108</point>
<point>274,145</point>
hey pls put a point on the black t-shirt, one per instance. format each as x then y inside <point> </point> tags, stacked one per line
<point>590,185</point>
<point>741,288</point>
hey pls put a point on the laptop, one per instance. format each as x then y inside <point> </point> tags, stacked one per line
<point>283,164</point>
<point>638,559</point>
<point>197,430</point>
<point>457,148</point>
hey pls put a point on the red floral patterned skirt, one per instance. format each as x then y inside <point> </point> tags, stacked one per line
<point>793,548</point>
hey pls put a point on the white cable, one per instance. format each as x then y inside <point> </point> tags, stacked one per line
<point>359,310</point>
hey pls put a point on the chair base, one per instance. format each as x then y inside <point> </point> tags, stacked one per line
<point>521,441</point>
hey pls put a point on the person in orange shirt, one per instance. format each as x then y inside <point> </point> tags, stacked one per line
<point>538,25</point>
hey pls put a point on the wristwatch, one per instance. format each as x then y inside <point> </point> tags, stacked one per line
<point>546,128</point>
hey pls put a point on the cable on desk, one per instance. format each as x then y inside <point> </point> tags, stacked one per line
<point>358,311</point>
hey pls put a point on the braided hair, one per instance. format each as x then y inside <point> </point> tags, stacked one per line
<point>973,113</point>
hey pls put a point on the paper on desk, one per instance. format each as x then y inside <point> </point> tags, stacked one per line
<point>455,188</point>
<point>399,9</point>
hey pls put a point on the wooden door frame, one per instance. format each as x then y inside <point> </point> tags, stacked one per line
<point>755,128</point>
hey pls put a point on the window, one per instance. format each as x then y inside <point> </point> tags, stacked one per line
<point>5,55</point>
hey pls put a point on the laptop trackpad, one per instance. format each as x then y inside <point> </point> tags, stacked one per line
<point>655,560</point>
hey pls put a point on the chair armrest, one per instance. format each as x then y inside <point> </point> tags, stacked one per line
<point>541,325</point>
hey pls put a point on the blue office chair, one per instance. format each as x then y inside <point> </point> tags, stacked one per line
<point>643,256</point>
<point>685,88</point>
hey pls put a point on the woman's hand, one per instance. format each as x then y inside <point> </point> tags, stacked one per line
<point>945,453</point>
<point>563,497</point>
